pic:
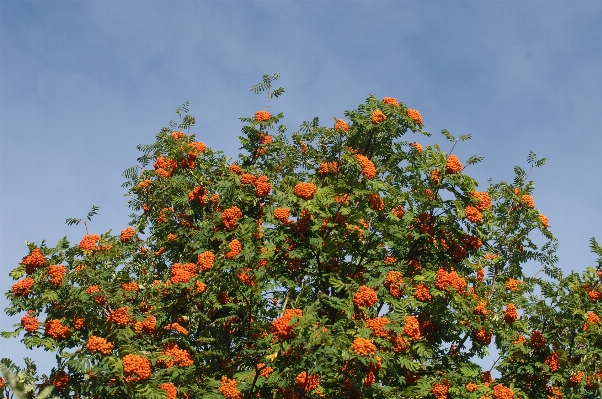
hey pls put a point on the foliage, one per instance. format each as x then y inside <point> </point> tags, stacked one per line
<point>343,261</point>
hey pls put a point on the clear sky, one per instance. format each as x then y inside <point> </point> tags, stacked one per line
<point>83,82</point>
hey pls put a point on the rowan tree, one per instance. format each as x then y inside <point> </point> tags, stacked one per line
<point>341,261</point>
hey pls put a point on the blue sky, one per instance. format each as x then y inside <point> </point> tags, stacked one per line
<point>83,82</point>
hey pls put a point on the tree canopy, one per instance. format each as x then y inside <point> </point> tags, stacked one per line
<point>339,261</point>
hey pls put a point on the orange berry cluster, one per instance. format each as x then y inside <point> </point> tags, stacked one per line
<point>483,336</point>
<point>119,316</point>
<point>592,319</point>
<point>182,273</point>
<point>197,147</point>
<point>262,116</point>
<point>528,201</point>
<point>79,322</point>
<point>502,392</point>
<point>136,368</point>
<point>165,165</point>
<point>33,261</point>
<point>553,362</point>
<point>126,234</point>
<point>131,286</point>
<point>30,323</point>
<point>56,330</point>
<point>22,287</point>
<point>480,309</point>
<point>176,356</point>
<point>422,293</point>
<point>88,243</point>
<point>398,211</point>
<point>537,339</point>
<point>471,387</point>
<point>228,389</point>
<point>170,389</point>
<point>545,222</point>
<point>365,297</point>
<point>246,278</point>
<point>576,378</point>
<point>363,346</point>
<point>453,165</point>
<point>445,280</point>
<point>99,344</point>
<point>512,284</point>
<point>235,248</point>
<point>178,327</point>
<point>264,370</point>
<point>483,200</point>
<point>280,326</point>
<point>440,389</point>
<point>56,274</point>
<point>205,260</point>
<point>177,135</point>
<point>412,328</point>
<point>236,169</point>
<point>393,282</point>
<point>378,116</point>
<point>391,101</point>
<point>247,178</point>
<point>148,326</point>
<point>375,202</point>
<point>415,116</point>
<point>473,214</point>
<point>262,187</point>
<point>282,214</point>
<point>368,169</point>
<point>199,195</point>
<point>328,167</point>
<point>307,382</point>
<point>60,380</point>
<point>341,125</point>
<point>377,326</point>
<point>230,216</point>
<point>510,314</point>
<point>305,190</point>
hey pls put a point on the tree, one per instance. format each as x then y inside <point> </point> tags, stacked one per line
<point>342,261</point>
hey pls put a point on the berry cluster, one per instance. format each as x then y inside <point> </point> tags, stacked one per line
<point>305,190</point>
<point>368,169</point>
<point>412,328</point>
<point>99,344</point>
<point>56,274</point>
<point>365,297</point>
<point>363,346</point>
<point>33,261</point>
<point>281,327</point>
<point>453,165</point>
<point>307,382</point>
<point>230,216</point>
<point>22,287</point>
<point>262,116</point>
<point>341,125</point>
<point>393,282</point>
<point>30,323</point>
<point>127,234</point>
<point>88,243</point>
<point>378,116</point>
<point>170,389</point>
<point>235,248</point>
<point>56,329</point>
<point>391,101</point>
<point>205,261</point>
<point>415,116</point>
<point>182,273</point>
<point>229,389</point>
<point>136,368</point>
<point>198,195</point>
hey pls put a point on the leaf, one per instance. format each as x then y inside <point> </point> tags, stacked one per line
<point>448,135</point>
